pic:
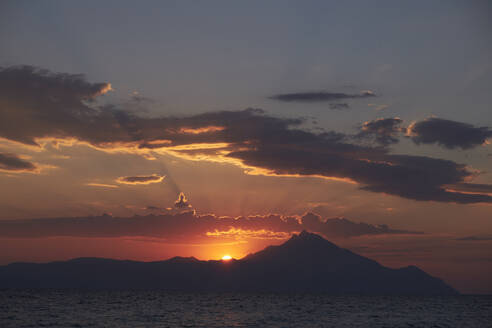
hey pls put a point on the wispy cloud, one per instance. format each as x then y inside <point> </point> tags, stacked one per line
<point>320,96</point>
<point>141,179</point>
<point>100,185</point>
<point>339,106</point>
<point>378,107</point>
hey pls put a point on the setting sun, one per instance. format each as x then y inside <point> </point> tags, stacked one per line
<point>226,258</point>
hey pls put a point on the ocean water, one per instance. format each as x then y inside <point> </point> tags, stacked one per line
<point>75,308</point>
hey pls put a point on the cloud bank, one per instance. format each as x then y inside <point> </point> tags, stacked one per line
<point>38,105</point>
<point>180,227</point>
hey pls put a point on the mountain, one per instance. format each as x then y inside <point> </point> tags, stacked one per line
<point>305,263</point>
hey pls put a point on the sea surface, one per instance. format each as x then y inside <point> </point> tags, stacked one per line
<point>79,308</point>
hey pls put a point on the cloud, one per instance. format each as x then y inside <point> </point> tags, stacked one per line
<point>187,225</point>
<point>36,103</point>
<point>447,133</point>
<point>472,187</point>
<point>378,107</point>
<point>383,130</point>
<point>249,234</point>
<point>141,179</point>
<point>320,96</point>
<point>135,97</point>
<point>13,163</point>
<point>38,106</point>
<point>339,106</point>
<point>341,227</point>
<point>475,238</point>
<point>157,209</point>
<point>205,129</point>
<point>100,185</point>
<point>414,177</point>
<point>181,202</point>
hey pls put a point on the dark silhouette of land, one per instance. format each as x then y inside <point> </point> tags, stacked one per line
<point>305,263</point>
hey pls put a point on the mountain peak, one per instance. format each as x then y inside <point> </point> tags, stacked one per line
<point>308,235</point>
<point>309,238</point>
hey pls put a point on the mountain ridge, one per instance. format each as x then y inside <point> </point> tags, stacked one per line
<point>304,263</point>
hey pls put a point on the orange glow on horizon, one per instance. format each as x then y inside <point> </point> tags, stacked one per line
<point>226,258</point>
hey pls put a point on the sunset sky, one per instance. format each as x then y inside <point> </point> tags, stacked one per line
<point>147,130</point>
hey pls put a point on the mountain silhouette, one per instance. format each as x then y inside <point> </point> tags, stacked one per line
<point>305,263</point>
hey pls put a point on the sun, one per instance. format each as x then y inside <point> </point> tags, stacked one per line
<point>226,257</point>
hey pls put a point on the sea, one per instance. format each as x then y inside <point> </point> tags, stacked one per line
<point>85,308</point>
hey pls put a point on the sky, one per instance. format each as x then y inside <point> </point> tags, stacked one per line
<point>147,130</point>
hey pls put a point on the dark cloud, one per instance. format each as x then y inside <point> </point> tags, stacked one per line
<point>189,225</point>
<point>413,177</point>
<point>182,202</point>
<point>422,178</point>
<point>339,106</point>
<point>383,130</point>
<point>141,179</point>
<point>449,134</point>
<point>38,104</point>
<point>341,227</point>
<point>321,96</point>
<point>12,162</point>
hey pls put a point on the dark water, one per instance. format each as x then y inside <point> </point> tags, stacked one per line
<point>57,308</point>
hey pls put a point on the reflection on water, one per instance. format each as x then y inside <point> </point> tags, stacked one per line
<point>61,308</point>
